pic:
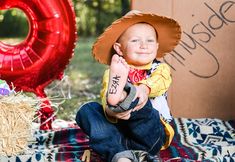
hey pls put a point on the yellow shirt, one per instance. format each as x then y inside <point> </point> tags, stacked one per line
<point>158,81</point>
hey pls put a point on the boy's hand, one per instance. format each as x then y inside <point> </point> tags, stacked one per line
<point>142,92</point>
<point>122,115</point>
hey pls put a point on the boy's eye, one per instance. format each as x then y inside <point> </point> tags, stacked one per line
<point>135,40</point>
<point>151,40</point>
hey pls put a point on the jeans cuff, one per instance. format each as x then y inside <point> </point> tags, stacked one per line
<point>125,154</point>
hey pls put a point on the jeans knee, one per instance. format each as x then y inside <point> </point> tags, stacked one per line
<point>87,110</point>
<point>80,113</point>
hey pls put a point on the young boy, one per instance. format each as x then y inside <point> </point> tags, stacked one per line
<point>128,119</point>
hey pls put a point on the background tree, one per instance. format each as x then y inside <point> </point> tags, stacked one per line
<point>92,17</point>
<point>13,23</point>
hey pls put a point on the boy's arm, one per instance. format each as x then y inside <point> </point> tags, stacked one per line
<point>159,81</point>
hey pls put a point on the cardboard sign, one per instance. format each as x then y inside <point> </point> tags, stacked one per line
<point>202,65</point>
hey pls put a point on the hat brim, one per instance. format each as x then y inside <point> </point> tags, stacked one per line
<point>169,34</point>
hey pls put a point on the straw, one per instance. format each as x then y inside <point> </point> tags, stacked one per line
<point>17,112</point>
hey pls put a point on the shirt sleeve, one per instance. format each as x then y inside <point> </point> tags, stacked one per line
<point>104,88</point>
<point>159,81</point>
<point>103,93</point>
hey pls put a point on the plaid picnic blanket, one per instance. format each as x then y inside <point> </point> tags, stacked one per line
<point>201,140</point>
<point>195,140</point>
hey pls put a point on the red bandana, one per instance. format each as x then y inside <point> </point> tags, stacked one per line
<point>136,75</point>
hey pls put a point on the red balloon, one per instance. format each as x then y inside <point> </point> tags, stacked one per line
<point>42,57</point>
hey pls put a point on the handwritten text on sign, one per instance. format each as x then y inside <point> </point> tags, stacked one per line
<point>202,33</point>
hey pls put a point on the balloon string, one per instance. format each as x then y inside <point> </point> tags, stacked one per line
<point>46,113</point>
<point>48,107</point>
<point>58,87</point>
<point>47,117</point>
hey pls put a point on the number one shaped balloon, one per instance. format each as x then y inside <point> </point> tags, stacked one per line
<point>42,57</point>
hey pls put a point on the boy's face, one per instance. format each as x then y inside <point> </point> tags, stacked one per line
<point>138,44</point>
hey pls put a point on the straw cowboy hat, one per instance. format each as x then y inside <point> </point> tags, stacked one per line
<point>168,31</point>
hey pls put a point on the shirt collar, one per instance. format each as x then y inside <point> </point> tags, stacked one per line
<point>143,67</point>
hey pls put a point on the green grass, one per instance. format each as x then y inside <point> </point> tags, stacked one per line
<point>83,75</point>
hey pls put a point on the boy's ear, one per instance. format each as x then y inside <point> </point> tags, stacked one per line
<point>117,47</point>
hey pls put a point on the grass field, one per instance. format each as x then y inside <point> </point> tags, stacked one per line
<point>81,83</point>
<point>85,77</point>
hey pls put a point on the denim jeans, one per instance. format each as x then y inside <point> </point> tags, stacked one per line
<point>143,131</point>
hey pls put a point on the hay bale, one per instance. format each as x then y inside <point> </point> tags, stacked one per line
<point>17,112</point>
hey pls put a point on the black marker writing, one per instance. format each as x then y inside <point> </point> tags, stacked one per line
<point>114,85</point>
<point>202,33</point>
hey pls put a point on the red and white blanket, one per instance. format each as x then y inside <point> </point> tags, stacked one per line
<point>195,140</point>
